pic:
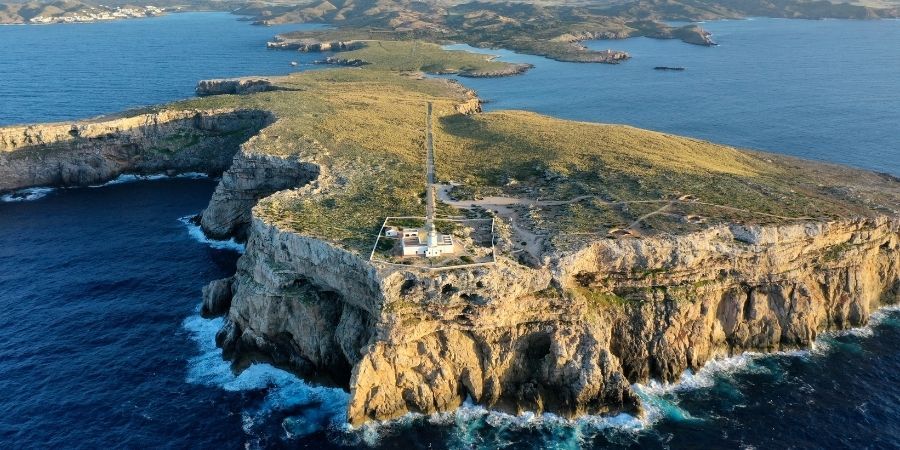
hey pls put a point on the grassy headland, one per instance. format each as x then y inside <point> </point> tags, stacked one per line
<point>416,56</point>
<point>365,128</point>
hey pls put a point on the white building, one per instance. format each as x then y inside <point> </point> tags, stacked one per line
<point>392,232</point>
<point>425,242</point>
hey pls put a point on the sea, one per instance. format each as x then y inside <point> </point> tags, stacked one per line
<point>102,345</point>
<point>818,89</point>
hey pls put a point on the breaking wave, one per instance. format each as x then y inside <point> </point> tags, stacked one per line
<point>301,408</point>
<point>27,195</point>
<point>297,409</point>
<point>659,395</point>
<point>473,426</point>
<point>198,235</point>
<point>131,178</point>
<point>36,193</point>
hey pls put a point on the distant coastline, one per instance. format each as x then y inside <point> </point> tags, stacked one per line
<point>74,12</point>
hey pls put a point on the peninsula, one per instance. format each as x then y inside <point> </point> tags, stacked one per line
<point>578,258</point>
<point>551,29</point>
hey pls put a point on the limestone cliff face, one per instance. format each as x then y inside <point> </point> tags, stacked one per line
<point>250,177</point>
<point>732,289</point>
<point>281,316</point>
<point>234,86</point>
<point>90,152</point>
<point>569,336</point>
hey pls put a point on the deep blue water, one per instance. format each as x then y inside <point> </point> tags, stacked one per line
<point>92,351</point>
<point>826,90</point>
<point>101,344</point>
<point>61,72</point>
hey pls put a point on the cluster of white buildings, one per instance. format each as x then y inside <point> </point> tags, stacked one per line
<point>422,241</point>
<point>100,13</point>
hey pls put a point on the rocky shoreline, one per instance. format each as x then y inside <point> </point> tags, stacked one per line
<point>511,338</point>
<point>234,86</point>
<point>86,153</point>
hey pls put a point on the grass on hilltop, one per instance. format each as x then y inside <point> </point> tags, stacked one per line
<point>518,153</point>
<point>366,129</point>
<point>408,56</point>
<point>371,124</point>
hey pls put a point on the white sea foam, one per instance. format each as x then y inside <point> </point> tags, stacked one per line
<point>705,377</point>
<point>27,195</point>
<point>131,178</point>
<point>878,317</point>
<point>320,408</point>
<point>198,235</point>
<point>725,368</point>
<point>471,426</point>
<point>35,193</point>
<point>476,427</point>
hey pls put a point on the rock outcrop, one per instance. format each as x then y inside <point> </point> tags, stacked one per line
<point>234,86</point>
<point>333,61</point>
<point>312,45</point>
<point>90,152</point>
<point>509,70</point>
<point>250,177</point>
<point>216,298</point>
<point>568,336</point>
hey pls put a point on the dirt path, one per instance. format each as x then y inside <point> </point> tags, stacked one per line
<point>634,225</point>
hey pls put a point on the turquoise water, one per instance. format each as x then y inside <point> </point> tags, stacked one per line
<point>101,343</point>
<point>826,90</point>
<point>60,72</point>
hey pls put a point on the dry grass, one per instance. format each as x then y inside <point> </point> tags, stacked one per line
<point>366,129</point>
<point>402,56</point>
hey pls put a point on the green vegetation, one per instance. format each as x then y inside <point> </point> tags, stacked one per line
<point>385,244</point>
<point>407,56</point>
<point>408,223</point>
<point>834,253</point>
<point>624,166</point>
<point>598,302</point>
<point>366,129</point>
<point>551,29</point>
<point>371,124</point>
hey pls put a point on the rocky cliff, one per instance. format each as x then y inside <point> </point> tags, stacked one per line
<point>234,86</point>
<point>568,336</point>
<point>90,152</point>
<point>250,177</point>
